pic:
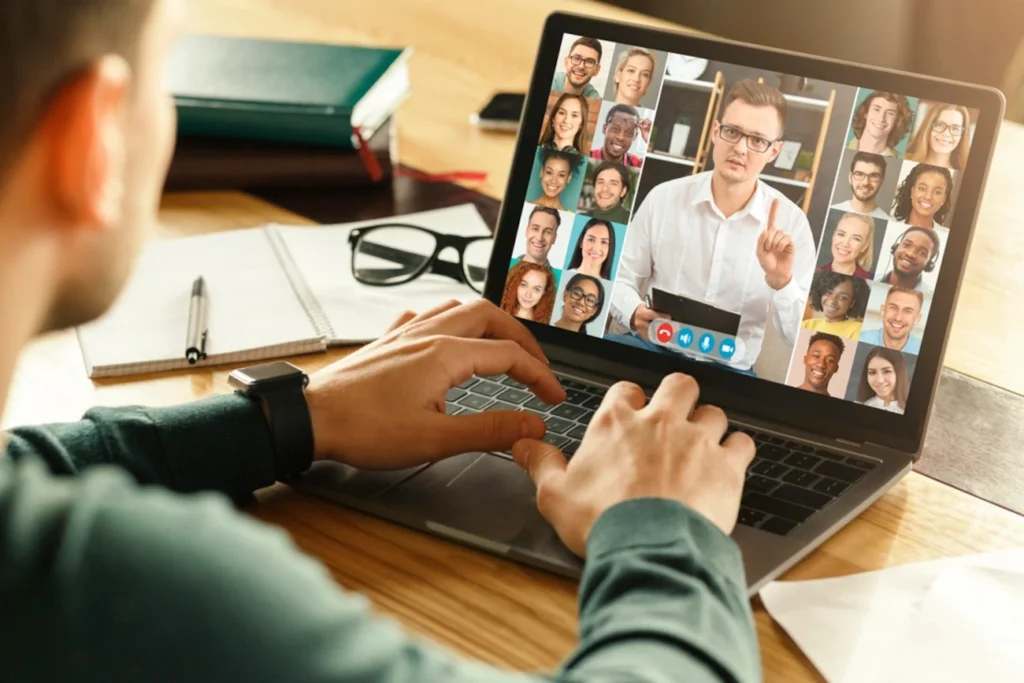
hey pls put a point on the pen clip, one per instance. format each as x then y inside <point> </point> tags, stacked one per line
<point>202,345</point>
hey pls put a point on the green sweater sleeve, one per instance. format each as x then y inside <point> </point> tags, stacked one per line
<point>111,581</point>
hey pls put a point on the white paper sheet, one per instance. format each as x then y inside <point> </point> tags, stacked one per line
<point>861,628</point>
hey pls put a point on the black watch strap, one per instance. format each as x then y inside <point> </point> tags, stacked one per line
<point>290,426</point>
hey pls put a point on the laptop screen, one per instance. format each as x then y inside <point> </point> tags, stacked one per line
<point>765,223</point>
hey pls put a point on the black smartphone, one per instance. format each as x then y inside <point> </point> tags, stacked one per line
<point>696,313</point>
<point>501,113</point>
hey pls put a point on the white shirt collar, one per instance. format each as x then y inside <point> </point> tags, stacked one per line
<point>756,207</point>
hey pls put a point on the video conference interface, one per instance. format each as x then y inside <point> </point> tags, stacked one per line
<point>785,228</point>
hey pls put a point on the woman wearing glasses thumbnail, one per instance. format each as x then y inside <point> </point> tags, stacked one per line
<point>583,301</point>
<point>885,383</point>
<point>943,138</point>
<point>853,246</point>
<point>923,198</point>
<point>594,250</point>
<point>529,292</point>
<point>565,129</point>
<point>556,172</point>
<point>840,301</point>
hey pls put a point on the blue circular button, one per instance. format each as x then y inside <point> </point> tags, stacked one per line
<point>685,337</point>
<point>707,343</point>
<point>727,348</point>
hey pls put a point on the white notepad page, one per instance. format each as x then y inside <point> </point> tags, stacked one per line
<point>253,311</point>
<point>360,313</point>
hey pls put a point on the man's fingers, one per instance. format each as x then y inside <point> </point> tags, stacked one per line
<point>403,318</point>
<point>627,393</point>
<point>741,447</point>
<point>545,465</point>
<point>773,214</point>
<point>499,357</point>
<point>482,319</point>
<point>677,393</point>
<point>436,311</point>
<point>764,242</point>
<point>713,418</point>
<point>496,430</point>
<point>785,244</point>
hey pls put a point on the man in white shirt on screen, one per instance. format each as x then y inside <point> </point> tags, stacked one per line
<point>723,237</point>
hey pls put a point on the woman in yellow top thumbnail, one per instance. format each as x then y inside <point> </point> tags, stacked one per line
<point>838,304</point>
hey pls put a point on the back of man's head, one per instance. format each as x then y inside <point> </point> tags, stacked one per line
<point>44,44</point>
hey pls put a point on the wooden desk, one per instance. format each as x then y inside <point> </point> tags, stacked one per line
<point>484,607</point>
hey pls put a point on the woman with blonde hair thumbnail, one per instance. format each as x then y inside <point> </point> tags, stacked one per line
<point>943,138</point>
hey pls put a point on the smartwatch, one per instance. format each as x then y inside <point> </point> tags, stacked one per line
<point>281,387</point>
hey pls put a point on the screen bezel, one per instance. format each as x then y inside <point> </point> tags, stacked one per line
<point>765,399</point>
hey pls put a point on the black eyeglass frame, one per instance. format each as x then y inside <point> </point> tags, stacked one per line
<point>459,272</point>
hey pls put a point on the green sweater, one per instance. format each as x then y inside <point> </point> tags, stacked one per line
<point>104,579</point>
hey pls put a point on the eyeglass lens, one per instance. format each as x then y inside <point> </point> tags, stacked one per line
<point>391,255</point>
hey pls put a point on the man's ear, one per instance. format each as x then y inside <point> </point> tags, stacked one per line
<point>774,150</point>
<point>86,132</point>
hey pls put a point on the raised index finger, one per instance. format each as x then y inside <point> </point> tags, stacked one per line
<point>483,320</point>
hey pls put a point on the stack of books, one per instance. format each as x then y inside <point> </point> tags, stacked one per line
<point>255,114</point>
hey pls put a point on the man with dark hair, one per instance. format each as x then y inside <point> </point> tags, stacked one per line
<point>611,186</point>
<point>880,122</point>
<point>581,65</point>
<point>540,234</point>
<point>914,253</point>
<point>722,237</point>
<point>867,173</point>
<point>110,574</point>
<point>821,362</point>
<point>901,313</point>
<point>621,124</point>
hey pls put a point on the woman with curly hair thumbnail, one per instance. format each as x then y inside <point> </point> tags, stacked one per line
<point>839,302</point>
<point>924,197</point>
<point>529,292</point>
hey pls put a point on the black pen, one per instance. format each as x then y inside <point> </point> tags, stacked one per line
<point>195,342</point>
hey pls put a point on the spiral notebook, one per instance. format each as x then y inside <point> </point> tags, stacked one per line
<point>273,291</point>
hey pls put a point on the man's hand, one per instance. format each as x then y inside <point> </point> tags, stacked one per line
<point>642,319</point>
<point>382,407</point>
<point>775,252</point>
<point>645,129</point>
<point>665,449</point>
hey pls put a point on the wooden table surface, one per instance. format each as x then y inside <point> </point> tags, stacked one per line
<point>479,605</point>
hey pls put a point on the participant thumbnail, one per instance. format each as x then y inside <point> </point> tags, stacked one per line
<point>529,292</point>
<point>556,179</point>
<point>896,318</point>
<point>636,76</point>
<point>622,134</point>
<point>608,191</point>
<point>866,180</point>
<point>942,134</point>
<point>543,238</point>
<point>582,304</point>
<point>580,69</point>
<point>881,378</point>
<point>569,123</point>
<point>911,257</point>
<point>822,363</point>
<point>594,247</point>
<point>851,244</point>
<point>837,304</point>
<point>924,195</point>
<point>881,122</point>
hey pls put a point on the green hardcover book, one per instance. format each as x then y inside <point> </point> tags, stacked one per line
<point>285,91</point>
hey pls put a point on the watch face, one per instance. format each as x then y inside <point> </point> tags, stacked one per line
<point>265,373</point>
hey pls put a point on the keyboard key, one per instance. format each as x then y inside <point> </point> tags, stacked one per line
<point>500,405</point>
<point>468,383</point>
<point>799,496</point>
<point>485,388</point>
<point>475,402</point>
<point>776,440</point>
<point>558,425</point>
<point>451,409</point>
<point>800,447</point>
<point>860,464</point>
<point>594,402</point>
<point>750,517</point>
<point>773,453</point>
<point>576,397</point>
<point>573,384</point>
<point>800,478</point>
<point>831,487</point>
<point>584,419</point>
<point>509,382</point>
<point>842,472</point>
<point>454,394</point>
<point>537,405</point>
<point>804,462</point>
<point>578,432</point>
<point>515,396</point>
<point>555,439</point>
<point>596,391</point>
<point>760,484</point>
<point>828,455</point>
<point>567,411</point>
<point>570,448</point>
<point>777,525</point>
<point>769,469</point>
<point>773,506</point>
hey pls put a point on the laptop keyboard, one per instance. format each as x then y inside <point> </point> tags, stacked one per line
<point>786,483</point>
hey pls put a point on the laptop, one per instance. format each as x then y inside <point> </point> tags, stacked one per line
<point>876,177</point>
